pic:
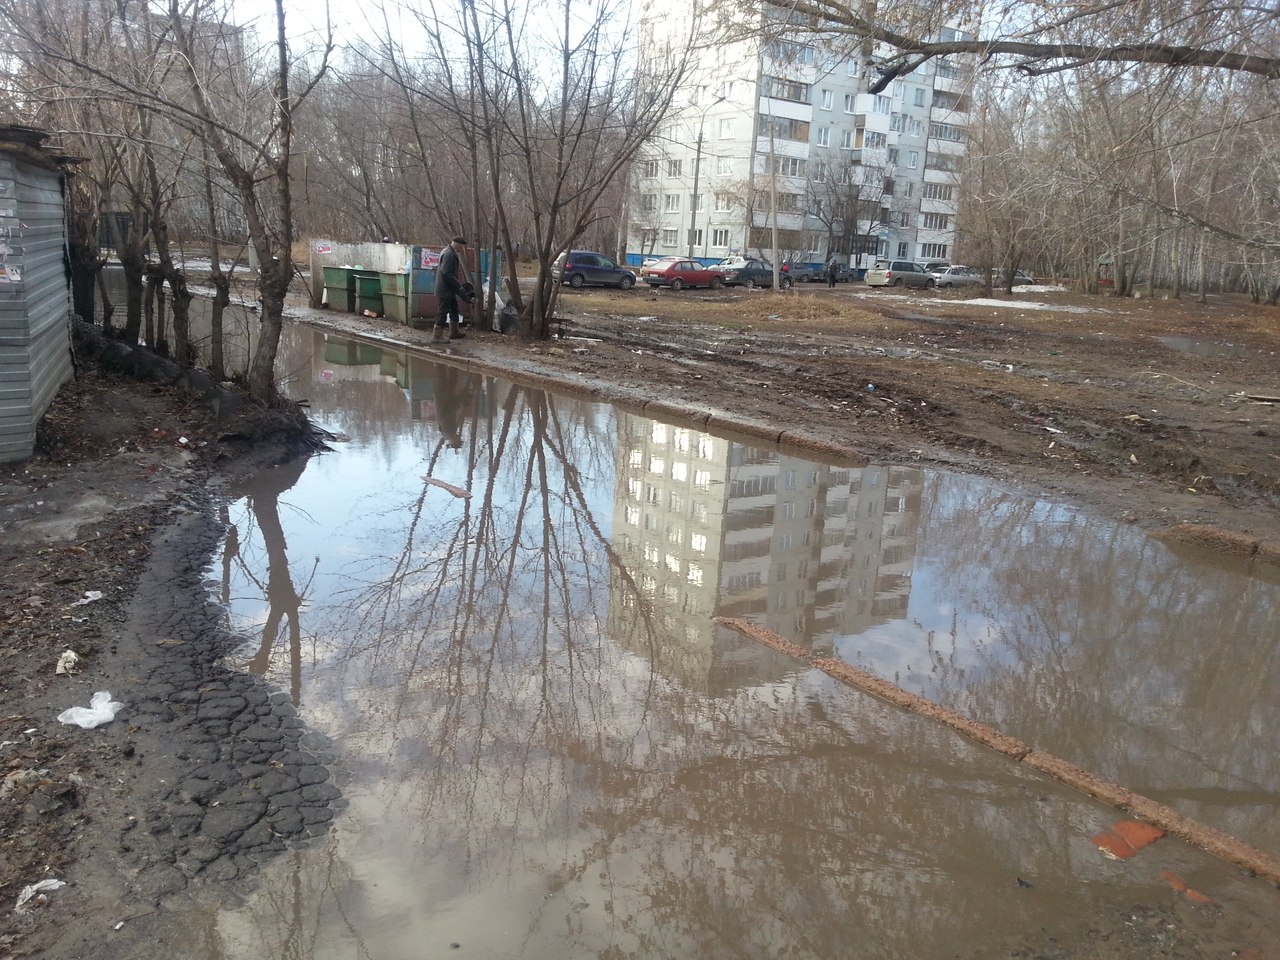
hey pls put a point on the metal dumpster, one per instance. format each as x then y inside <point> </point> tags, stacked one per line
<point>340,288</point>
<point>395,296</point>
<point>368,292</point>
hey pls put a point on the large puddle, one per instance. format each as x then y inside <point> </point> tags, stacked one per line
<point>498,603</point>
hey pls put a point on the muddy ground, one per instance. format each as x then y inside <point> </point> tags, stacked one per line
<point>1153,411</point>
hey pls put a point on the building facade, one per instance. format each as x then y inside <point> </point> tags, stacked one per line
<point>779,149</point>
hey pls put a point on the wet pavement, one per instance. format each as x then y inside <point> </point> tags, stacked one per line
<point>496,603</point>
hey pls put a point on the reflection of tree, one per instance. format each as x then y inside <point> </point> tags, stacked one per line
<point>284,602</point>
<point>1091,640</point>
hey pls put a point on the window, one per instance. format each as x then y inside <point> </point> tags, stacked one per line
<point>649,169</point>
<point>824,136</point>
<point>819,176</point>
<point>885,216</point>
<point>784,128</point>
<point>849,100</point>
<point>697,242</point>
<point>784,89</point>
<point>788,166</point>
<point>946,69</point>
<point>910,190</point>
<point>883,105</point>
<point>946,131</point>
<point>698,542</point>
<point>895,122</point>
<point>852,69</point>
<point>724,166</point>
<point>726,128</point>
<point>790,52</point>
<point>937,191</point>
<point>937,221</point>
<point>728,89</point>
<point>876,141</point>
<point>940,161</point>
<point>842,175</point>
<point>913,159</point>
<point>671,202</point>
<point>669,238</point>
<point>904,220</point>
<point>914,127</point>
<point>649,202</point>
<point>888,188</point>
<point>919,97</point>
<point>724,202</point>
<point>695,202</point>
<point>719,238</point>
<point>893,154</point>
<point>846,140</point>
<point>903,248</point>
<point>827,99</point>
<point>673,168</point>
<point>897,89</point>
<point>934,251</point>
<point>789,202</point>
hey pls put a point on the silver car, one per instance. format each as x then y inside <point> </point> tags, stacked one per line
<point>956,276</point>
<point>898,273</point>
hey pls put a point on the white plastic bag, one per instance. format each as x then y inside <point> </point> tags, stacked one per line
<point>102,709</point>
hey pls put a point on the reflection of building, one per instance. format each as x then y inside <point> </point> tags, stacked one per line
<point>706,526</point>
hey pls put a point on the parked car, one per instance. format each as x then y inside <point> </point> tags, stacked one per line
<point>581,267</point>
<point>933,266</point>
<point>678,274</point>
<point>898,273</point>
<point>1019,277</point>
<point>749,272</point>
<point>956,276</point>
<point>650,261</point>
<point>801,272</point>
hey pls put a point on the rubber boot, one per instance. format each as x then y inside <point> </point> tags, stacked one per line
<point>437,334</point>
<point>454,332</point>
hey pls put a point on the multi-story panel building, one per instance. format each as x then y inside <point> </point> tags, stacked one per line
<point>779,149</point>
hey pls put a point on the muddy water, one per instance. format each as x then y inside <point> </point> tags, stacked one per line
<point>497,602</point>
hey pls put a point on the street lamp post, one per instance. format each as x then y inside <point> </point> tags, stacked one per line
<point>697,170</point>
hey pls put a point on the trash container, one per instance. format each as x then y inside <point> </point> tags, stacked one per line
<point>340,288</point>
<point>395,296</point>
<point>368,292</point>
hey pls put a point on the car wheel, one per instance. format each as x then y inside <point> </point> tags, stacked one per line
<point>897,281</point>
<point>944,286</point>
<point>677,284</point>
<point>749,283</point>
<point>786,283</point>
<point>626,283</point>
<point>715,283</point>
<point>577,281</point>
<point>929,284</point>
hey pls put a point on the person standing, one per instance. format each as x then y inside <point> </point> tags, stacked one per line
<point>449,290</point>
<point>833,270</point>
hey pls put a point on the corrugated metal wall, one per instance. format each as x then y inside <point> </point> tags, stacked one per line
<point>35,301</point>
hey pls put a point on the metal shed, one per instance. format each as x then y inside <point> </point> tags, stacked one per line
<point>35,292</point>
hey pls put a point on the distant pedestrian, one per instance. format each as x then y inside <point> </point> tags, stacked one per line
<point>833,270</point>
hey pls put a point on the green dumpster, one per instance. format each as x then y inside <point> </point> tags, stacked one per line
<point>395,296</point>
<point>368,293</point>
<point>340,288</point>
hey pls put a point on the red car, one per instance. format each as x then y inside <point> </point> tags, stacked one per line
<point>678,274</point>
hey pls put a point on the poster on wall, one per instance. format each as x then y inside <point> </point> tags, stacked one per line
<point>430,259</point>
<point>324,246</point>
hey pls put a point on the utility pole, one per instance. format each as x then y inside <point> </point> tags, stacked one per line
<point>697,170</point>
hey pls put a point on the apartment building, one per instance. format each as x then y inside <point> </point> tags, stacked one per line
<point>780,150</point>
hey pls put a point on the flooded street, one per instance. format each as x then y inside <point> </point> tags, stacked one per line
<point>497,603</point>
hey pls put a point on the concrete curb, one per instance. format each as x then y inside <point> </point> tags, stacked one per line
<point>1212,841</point>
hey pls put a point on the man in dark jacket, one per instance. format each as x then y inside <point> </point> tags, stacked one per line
<point>450,283</point>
